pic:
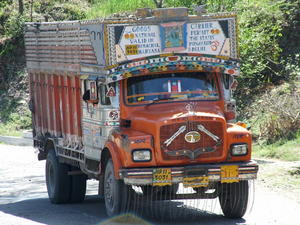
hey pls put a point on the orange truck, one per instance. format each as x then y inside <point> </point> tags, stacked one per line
<point>144,101</point>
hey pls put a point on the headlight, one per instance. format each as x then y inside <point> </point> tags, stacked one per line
<point>239,149</point>
<point>141,155</point>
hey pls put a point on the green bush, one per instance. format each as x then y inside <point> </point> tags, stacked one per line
<point>275,114</point>
<point>60,11</point>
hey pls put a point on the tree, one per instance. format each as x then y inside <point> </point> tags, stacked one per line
<point>158,3</point>
<point>21,7</point>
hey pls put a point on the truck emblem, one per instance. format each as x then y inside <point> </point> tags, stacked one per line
<point>192,137</point>
<point>189,107</point>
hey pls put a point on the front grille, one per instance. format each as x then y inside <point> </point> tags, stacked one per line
<point>179,143</point>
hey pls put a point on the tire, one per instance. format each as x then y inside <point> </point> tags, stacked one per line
<point>57,179</point>
<point>233,199</point>
<point>78,187</point>
<point>116,193</point>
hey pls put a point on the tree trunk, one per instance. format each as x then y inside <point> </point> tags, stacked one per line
<point>21,7</point>
<point>158,3</point>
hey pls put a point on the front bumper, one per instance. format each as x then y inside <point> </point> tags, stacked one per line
<point>144,176</point>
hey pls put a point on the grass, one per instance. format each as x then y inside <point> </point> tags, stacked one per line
<point>287,150</point>
<point>16,124</point>
<point>103,8</point>
<point>9,130</point>
<point>14,120</point>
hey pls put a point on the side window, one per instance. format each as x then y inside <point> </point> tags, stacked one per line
<point>226,80</point>
<point>103,91</point>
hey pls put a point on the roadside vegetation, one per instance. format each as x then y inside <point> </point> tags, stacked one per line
<point>268,95</point>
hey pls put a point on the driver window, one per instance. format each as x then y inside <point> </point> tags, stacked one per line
<point>104,99</point>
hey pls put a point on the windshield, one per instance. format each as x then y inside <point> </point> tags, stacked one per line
<point>171,87</point>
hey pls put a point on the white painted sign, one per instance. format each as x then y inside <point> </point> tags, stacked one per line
<point>205,38</point>
<point>139,41</point>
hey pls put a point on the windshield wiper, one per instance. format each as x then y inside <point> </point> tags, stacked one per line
<point>159,99</point>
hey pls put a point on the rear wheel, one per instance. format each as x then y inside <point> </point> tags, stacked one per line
<point>78,187</point>
<point>233,199</point>
<point>57,179</point>
<point>116,193</point>
<point>61,187</point>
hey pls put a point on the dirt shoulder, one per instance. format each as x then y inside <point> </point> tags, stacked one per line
<point>280,176</point>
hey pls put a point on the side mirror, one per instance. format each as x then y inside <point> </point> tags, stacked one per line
<point>86,96</point>
<point>91,95</point>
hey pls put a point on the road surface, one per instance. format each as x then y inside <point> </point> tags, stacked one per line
<point>24,200</point>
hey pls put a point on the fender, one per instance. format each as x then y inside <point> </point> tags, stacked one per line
<point>237,134</point>
<point>113,150</point>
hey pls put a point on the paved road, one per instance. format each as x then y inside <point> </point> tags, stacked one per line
<point>24,200</point>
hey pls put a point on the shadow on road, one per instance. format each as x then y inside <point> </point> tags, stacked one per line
<point>92,211</point>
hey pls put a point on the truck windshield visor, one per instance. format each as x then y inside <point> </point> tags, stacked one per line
<point>171,87</point>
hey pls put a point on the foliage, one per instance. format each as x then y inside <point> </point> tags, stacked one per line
<point>260,25</point>
<point>275,114</point>
<point>212,6</point>
<point>16,123</point>
<point>61,10</point>
<point>103,8</point>
<point>290,40</point>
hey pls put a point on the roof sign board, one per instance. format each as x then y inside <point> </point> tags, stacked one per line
<point>213,36</point>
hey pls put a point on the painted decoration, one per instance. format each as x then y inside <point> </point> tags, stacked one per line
<point>114,115</point>
<point>173,38</point>
<point>111,92</point>
<point>174,62</point>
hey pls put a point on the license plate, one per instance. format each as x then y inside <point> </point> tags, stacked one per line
<point>201,181</point>
<point>162,177</point>
<point>229,174</point>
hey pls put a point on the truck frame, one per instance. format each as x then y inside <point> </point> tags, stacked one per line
<point>142,101</point>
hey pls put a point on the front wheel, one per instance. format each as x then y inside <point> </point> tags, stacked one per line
<point>116,193</point>
<point>233,199</point>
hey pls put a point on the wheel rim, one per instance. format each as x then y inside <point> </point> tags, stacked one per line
<point>109,191</point>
